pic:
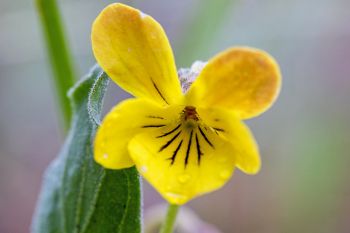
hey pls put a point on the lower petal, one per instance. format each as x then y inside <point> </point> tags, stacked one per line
<point>227,125</point>
<point>183,161</point>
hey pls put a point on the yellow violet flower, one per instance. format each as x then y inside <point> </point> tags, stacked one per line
<point>184,143</point>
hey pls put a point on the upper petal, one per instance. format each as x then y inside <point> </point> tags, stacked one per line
<point>244,80</point>
<point>128,118</point>
<point>134,51</point>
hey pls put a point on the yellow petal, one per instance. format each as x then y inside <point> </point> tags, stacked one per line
<point>128,118</point>
<point>228,126</point>
<point>241,79</point>
<point>134,51</point>
<point>183,161</point>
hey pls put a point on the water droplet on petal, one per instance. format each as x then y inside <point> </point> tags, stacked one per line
<point>178,198</point>
<point>184,178</point>
<point>143,169</point>
<point>225,174</point>
<point>142,15</point>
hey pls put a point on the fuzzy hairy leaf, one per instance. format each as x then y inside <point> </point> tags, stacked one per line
<point>77,194</point>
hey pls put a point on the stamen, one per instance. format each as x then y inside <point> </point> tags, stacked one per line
<point>169,142</point>
<point>190,113</point>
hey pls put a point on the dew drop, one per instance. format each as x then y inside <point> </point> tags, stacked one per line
<point>143,169</point>
<point>225,174</point>
<point>142,15</point>
<point>184,178</point>
<point>178,198</point>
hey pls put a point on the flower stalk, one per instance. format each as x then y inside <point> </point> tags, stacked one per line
<point>169,222</point>
<point>59,54</point>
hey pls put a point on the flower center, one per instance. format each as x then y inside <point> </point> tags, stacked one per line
<point>186,138</point>
<point>190,113</point>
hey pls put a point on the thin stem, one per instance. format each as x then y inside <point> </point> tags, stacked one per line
<point>170,218</point>
<point>59,54</point>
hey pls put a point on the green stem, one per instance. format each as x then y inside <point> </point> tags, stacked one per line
<point>59,54</point>
<point>170,218</point>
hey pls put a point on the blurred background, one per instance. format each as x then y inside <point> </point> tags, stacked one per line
<point>304,139</point>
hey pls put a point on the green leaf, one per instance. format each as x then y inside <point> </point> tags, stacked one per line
<point>96,96</point>
<point>77,194</point>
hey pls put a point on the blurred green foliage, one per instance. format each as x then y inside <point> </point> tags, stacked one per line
<point>202,30</point>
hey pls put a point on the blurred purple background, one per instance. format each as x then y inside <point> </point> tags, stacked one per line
<point>304,138</point>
